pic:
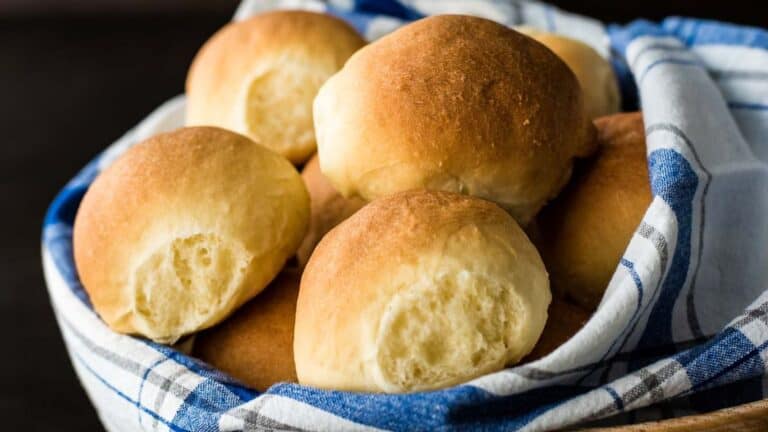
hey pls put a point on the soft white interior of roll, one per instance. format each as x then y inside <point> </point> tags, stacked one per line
<point>185,283</point>
<point>446,330</point>
<point>277,106</point>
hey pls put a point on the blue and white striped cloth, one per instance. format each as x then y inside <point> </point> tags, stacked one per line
<point>685,316</point>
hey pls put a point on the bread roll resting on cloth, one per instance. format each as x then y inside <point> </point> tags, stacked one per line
<point>454,103</point>
<point>416,291</point>
<point>255,344</point>
<point>259,77</point>
<point>185,227</point>
<point>584,232</point>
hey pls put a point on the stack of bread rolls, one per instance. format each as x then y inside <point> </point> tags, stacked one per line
<point>399,259</point>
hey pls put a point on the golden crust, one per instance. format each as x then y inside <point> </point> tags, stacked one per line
<point>595,74</point>
<point>204,188</point>
<point>584,232</point>
<point>453,103</point>
<point>327,208</point>
<point>255,344</point>
<point>394,255</point>
<point>259,76</point>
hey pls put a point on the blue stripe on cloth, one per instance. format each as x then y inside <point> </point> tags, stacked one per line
<point>205,405</point>
<point>57,238</point>
<point>616,398</point>
<point>127,398</point>
<point>674,180</point>
<point>392,8</point>
<point>227,383</point>
<point>666,61</point>
<point>141,386</point>
<point>627,86</point>
<point>621,36</point>
<point>636,278</point>
<point>747,106</point>
<point>359,21</point>
<point>64,207</point>
<point>729,357</point>
<point>704,32</point>
<point>466,407</point>
<point>420,410</point>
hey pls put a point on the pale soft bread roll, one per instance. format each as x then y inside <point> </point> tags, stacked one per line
<point>584,232</point>
<point>259,77</point>
<point>255,344</point>
<point>416,291</point>
<point>595,74</point>
<point>564,320</point>
<point>453,103</point>
<point>328,208</point>
<point>185,227</point>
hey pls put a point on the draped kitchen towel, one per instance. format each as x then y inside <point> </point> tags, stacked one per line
<point>686,311</point>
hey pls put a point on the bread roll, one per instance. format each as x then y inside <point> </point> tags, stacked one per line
<point>564,320</point>
<point>185,227</point>
<point>453,103</point>
<point>328,208</point>
<point>417,291</point>
<point>584,232</point>
<point>255,344</point>
<point>259,77</point>
<point>595,74</point>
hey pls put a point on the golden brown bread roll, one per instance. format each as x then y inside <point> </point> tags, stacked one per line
<point>255,344</point>
<point>418,290</point>
<point>327,208</point>
<point>584,232</point>
<point>564,320</point>
<point>453,103</point>
<point>185,227</point>
<point>595,74</point>
<point>259,77</point>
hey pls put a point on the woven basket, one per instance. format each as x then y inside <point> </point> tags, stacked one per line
<point>748,417</point>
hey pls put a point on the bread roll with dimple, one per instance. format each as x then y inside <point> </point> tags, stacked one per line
<point>327,208</point>
<point>453,103</point>
<point>259,76</point>
<point>584,232</point>
<point>255,344</point>
<point>416,291</point>
<point>185,227</point>
<point>595,73</point>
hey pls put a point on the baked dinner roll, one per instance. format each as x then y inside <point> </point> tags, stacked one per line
<point>595,74</point>
<point>584,232</point>
<point>417,291</point>
<point>327,206</point>
<point>185,227</point>
<point>564,320</point>
<point>255,344</point>
<point>259,77</point>
<point>453,103</point>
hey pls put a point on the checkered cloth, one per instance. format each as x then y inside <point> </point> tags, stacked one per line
<point>683,326</point>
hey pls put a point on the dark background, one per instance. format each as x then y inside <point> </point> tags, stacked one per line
<point>74,75</point>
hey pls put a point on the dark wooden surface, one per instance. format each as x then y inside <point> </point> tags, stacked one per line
<point>71,84</point>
